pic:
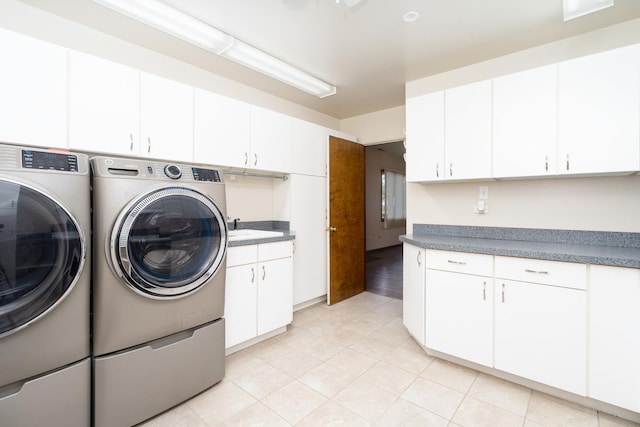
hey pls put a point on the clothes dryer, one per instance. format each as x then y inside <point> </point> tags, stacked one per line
<point>160,240</point>
<point>44,287</point>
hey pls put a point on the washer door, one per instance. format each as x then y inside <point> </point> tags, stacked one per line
<point>41,254</point>
<point>169,243</point>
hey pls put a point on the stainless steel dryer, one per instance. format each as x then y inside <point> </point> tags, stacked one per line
<point>160,239</point>
<point>45,220</point>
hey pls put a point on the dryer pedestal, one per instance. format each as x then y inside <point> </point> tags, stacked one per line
<point>57,398</point>
<point>133,385</point>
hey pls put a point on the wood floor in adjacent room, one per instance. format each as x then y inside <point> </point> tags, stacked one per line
<point>384,271</point>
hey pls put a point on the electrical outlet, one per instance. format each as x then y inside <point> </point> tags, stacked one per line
<point>484,193</point>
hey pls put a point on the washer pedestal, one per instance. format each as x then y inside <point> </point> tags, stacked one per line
<point>133,385</point>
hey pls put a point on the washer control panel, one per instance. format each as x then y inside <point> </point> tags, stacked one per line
<point>201,174</point>
<point>51,161</point>
<point>172,171</point>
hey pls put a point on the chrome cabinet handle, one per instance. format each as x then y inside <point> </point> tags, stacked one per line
<point>503,293</point>
<point>131,145</point>
<point>418,259</point>
<point>456,262</point>
<point>149,145</point>
<point>568,162</point>
<point>246,158</point>
<point>484,291</point>
<point>546,164</point>
<point>255,163</point>
<point>437,170</point>
<point>264,273</point>
<point>253,275</point>
<point>450,169</point>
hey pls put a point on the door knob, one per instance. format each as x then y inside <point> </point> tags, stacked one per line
<point>332,229</point>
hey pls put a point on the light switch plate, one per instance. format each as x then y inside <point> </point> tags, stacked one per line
<point>484,193</point>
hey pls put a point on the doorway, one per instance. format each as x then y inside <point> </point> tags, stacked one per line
<point>384,217</point>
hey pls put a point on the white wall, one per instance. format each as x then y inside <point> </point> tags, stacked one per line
<point>594,203</point>
<point>377,127</point>
<point>376,235</point>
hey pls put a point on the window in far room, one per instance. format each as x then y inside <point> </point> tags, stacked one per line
<point>394,213</point>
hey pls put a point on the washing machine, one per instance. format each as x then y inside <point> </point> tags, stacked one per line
<point>45,370</point>
<point>160,241</point>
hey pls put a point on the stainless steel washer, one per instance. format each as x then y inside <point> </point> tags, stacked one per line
<point>160,239</point>
<point>44,287</point>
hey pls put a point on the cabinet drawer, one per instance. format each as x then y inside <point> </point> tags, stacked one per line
<point>565,274</point>
<point>267,251</point>
<point>460,262</point>
<point>241,255</point>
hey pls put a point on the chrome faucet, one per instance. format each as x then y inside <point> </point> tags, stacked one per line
<point>235,223</point>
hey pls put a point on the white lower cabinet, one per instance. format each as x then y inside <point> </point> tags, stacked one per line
<point>540,325</point>
<point>259,290</point>
<point>413,287</point>
<point>459,315</point>
<point>614,347</point>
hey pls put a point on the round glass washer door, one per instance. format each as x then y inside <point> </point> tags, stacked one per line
<point>42,253</point>
<point>168,243</point>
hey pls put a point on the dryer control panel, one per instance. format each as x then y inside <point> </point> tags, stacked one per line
<point>211,175</point>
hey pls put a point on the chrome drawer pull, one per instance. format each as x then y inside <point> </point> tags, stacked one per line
<point>536,271</point>
<point>456,262</point>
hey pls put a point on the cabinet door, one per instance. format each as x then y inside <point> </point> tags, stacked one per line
<point>33,84</point>
<point>599,112</point>
<point>309,218</point>
<point>459,315</point>
<point>270,140</point>
<point>240,304</point>
<point>425,137</point>
<point>468,131</point>
<point>413,276</point>
<point>166,124</point>
<point>614,347</point>
<point>309,148</point>
<point>222,132</point>
<point>524,123</point>
<point>540,333</point>
<point>275,294</point>
<point>104,105</point>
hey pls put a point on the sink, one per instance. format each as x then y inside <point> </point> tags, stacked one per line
<point>248,234</point>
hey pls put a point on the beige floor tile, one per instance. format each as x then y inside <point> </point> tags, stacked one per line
<point>240,363</point>
<point>352,362</point>
<point>332,414</point>
<point>607,420</point>
<point>263,381</point>
<point>406,414</point>
<point>322,327</point>
<point>410,361</point>
<point>529,423</point>
<point>433,397</point>
<point>552,412</point>
<point>221,402</point>
<point>476,413</point>
<point>503,394</point>
<point>345,337</point>
<point>323,348</point>
<point>372,347</point>
<point>295,363</point>
<point>389,378</point>
<point>380,318</point>
<point>450,375</point>
<point>392,307</point>
<point>393,333</point>
<point>327,379</point>
<point>269,349</point>
<point>180,416</point>
<point>362,326</point>
<point>365,400</point>
<point>296,337</point>
<point>294,401</point>
<point>256,415</point>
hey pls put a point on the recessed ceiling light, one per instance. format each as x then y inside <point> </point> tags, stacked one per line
<point>411,16</point>
<point>575,8</point>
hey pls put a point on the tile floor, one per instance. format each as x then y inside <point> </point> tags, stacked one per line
<point>354,364</point>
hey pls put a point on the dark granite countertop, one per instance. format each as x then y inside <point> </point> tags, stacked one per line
<point>588,247</point>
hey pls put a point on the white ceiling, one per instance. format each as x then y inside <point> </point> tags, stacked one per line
<point>367,51</point>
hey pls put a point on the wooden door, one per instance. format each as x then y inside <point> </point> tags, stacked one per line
<point>346,219</point>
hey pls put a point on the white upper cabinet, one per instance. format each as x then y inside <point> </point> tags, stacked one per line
<point>104,105</point>
<point>309,148</point>
<point>33,84</point>
<point>270,140</point>
<point>599,113</point>
<point>222,130</point>
<point>524,123</point>
<point>468,131</point>
<point>425,137</point>
<point>166,122</point>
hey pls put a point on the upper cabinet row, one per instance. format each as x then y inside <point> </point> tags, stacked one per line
<point>54,97</point>
<point>577,117</point>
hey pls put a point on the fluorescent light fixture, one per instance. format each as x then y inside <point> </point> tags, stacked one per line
<point>185,27</point>
<point>256,59</point>
<point>576,8</point>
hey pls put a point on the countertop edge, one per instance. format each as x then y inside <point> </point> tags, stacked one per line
<point>623,257</point>
<point>288,235</point>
